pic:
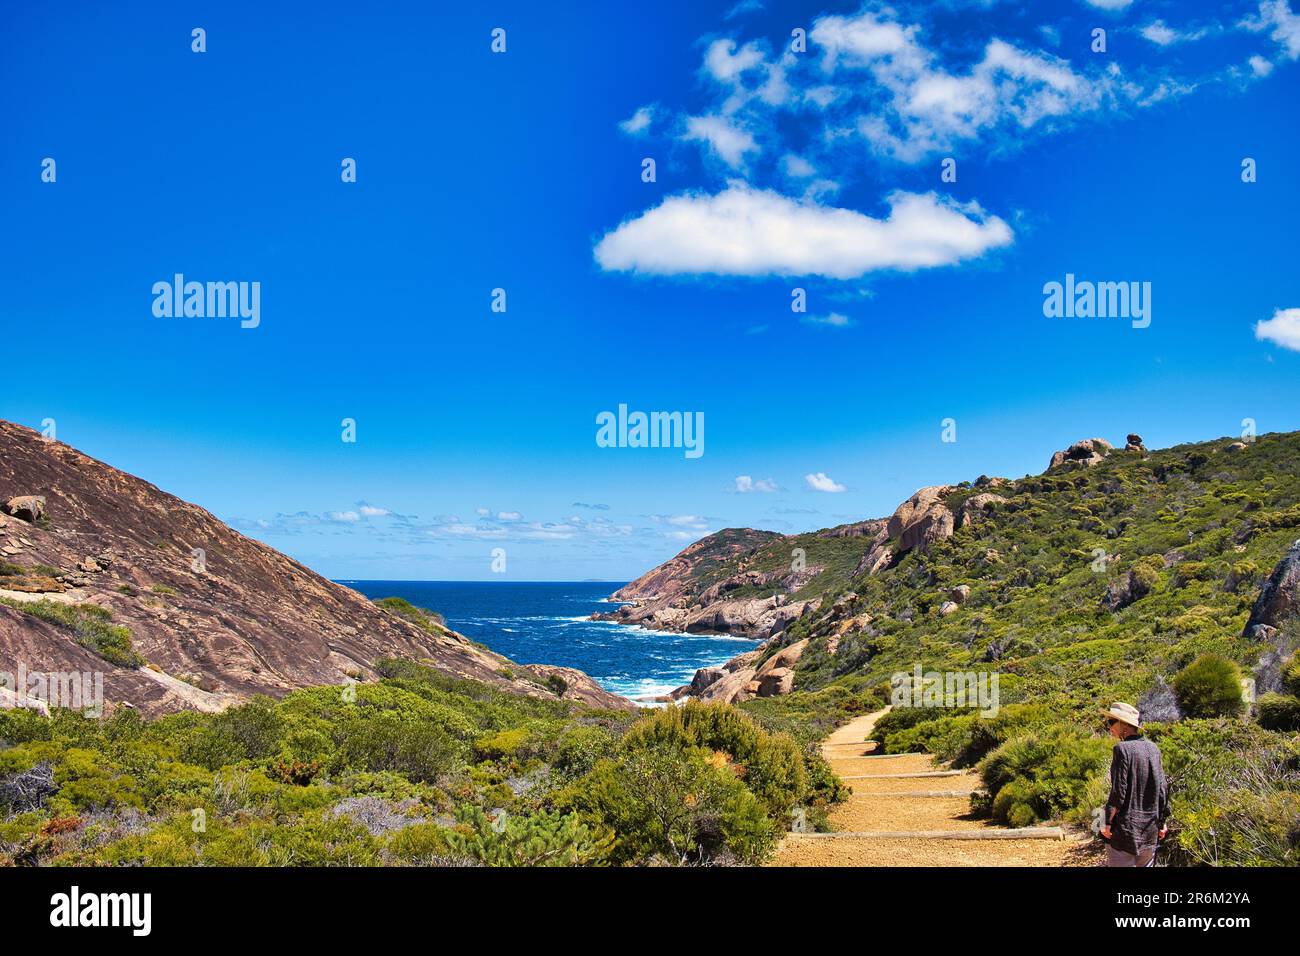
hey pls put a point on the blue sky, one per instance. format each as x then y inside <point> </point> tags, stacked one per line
<point>522,170</point>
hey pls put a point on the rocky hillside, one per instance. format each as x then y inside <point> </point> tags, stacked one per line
<point>1103,575</point>
<point>100,571</point>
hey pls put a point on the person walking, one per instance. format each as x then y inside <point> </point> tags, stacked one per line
<point>1138,806</point>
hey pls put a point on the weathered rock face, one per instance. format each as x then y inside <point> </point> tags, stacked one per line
<point>1090,451</point>
<point>922,519</point>
<point>30,508</point>
<point>1279,598</point>
<point>244,620</point>
<point>976,505</point>
<point>1134,443</point>
<point>918,522</point>
<point>740,679</point>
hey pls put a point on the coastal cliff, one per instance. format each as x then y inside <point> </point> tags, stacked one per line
<point>102,571</point>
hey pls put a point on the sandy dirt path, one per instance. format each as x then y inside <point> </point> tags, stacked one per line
<point>883,803</point>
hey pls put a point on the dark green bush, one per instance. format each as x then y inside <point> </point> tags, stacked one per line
<point>1210,686</point>
<point>1279,712</point>
<point>1043,775</point>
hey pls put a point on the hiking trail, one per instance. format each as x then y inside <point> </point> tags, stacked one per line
<point>905,810</point>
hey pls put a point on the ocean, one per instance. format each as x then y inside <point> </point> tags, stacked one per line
<point>542,622</point>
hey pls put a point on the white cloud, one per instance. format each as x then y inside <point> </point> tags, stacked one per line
<point>833,319</point>
<point>1283,329</point>
<point>823,482</point>
<point>1260,66</point>
<point>638,122</point>
<point>727,141</point>
<point>1109,4</point>
<point>726,64</point>
<point>749,232</point>
<point>681,521</point>
<point>1161,34</point>
<point>483,512</point>
<point>747,485</point>
<point>1285,25</point>
<point>1158,33</point>
<point>797,167</point>
<point>509,516</point>
<point>910,106</point>
<point>370,511</point>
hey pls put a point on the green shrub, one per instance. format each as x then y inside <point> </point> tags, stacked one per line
<point>673,806</point>
<point>1291,676</point>
<point>542,839</point>
<point>1043,775</point>
<point>771,764</point>
<point>1234,793</point>
<point>423,618</point>
<point>90,623</point>
<point>1209,687</point>
<point>1279,712</point>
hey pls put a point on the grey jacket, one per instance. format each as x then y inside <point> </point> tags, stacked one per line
<point>1139,795</point>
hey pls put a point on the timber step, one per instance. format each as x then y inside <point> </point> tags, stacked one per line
<point>1026,833</point>
<point>900,776</point>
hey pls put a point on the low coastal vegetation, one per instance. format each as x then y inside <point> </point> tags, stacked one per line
<point>1133,579</point>
<point>417,768</point>
<point>92,625</point>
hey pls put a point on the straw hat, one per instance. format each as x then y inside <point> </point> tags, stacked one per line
<point>1124,713</point>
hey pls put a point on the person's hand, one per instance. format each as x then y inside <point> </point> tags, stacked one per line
<point>1164,831</point>
<point>1105,832</point>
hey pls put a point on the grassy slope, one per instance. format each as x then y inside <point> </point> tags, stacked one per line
<point>1036,613</point>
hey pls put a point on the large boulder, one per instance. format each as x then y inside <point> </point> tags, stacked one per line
<point>1134,443</point>
<point>786,657</point>
<point>1279,598</point>
<point>27,507</point>
<point>778,681</point>
<point>1088,452</point>
<point>922,519</point>
<point>918,522</point>
<point>704,678</point>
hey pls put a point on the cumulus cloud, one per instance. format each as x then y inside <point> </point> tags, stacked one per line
<point>723,138</point>
<point>917,107</point>
<point>638,122</point>
<point>1282,329</point>
<point>745,484</point>
<point>1260,66</point>
<point>821,481</point>
<point>1282,25</point>
<point>743,231</point>
<point>1109,4</point>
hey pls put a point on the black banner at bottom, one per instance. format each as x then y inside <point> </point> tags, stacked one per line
<point>335,906</point>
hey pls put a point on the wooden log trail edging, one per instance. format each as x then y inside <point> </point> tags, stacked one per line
<point>1026,833</point>
<point>901,776</point>
<point>922,793</point>
<point>876,756</point>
